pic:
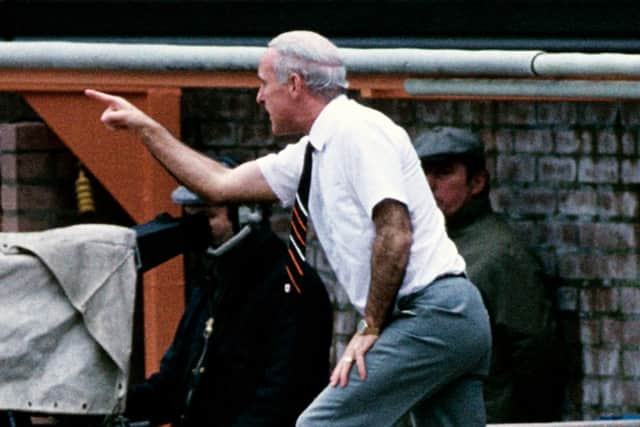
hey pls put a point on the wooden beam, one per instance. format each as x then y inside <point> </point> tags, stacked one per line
<point>135,179</point>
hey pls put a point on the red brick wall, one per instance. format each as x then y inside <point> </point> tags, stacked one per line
<point>37,178</point>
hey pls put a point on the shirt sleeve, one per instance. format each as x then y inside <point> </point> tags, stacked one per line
<point>374,168</point>
<point>282,171</point>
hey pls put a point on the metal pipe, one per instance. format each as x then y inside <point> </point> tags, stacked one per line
<point>609,65</point>
<point>441,62</point>
<point>134,57</point>
<point>159,57</point>
<point>524,89</point>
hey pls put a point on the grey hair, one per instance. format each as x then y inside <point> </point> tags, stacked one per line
<point>315,58</point>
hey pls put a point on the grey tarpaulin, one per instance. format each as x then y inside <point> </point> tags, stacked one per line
<point>66,314</point>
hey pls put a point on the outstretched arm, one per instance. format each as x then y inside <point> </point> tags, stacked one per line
<point>201,174</point>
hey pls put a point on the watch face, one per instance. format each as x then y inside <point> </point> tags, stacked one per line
<point>362,326</point>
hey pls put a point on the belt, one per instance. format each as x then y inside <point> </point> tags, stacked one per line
<point>450,276</point>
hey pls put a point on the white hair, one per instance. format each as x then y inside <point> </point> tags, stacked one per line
<point>315,58</point>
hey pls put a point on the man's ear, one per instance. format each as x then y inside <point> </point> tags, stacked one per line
<point>478,182</point>
<point>295,84</point>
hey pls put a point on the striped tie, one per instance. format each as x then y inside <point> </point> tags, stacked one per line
<point>298,227</point>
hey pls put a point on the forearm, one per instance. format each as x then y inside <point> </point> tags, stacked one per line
<point>389,259</point>
<point>194,169</point>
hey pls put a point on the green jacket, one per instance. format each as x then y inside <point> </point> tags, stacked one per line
<point>513,287</point>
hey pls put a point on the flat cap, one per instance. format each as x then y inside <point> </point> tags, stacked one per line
<point>183,196</point>
<point>443,142</point>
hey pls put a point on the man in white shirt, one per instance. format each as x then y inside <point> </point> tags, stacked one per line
<point>423,342</point>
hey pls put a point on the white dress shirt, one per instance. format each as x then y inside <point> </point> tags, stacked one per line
<point>361,158</point>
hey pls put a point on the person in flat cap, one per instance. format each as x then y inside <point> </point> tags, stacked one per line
<point>247,352</point>
<point>510,278</point>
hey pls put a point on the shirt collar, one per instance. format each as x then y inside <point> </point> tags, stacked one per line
<point>324,125</point>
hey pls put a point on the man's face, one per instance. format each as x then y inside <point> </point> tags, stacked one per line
<point>219,222</point>
<point>275,97</point>
<point>450,185</point>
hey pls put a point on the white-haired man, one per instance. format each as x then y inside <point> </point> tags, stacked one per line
<point>423,343</point>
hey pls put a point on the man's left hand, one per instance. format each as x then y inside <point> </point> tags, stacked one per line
<point>355,351</point>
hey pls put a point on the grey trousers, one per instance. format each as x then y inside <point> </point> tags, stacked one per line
<point>429,361</point>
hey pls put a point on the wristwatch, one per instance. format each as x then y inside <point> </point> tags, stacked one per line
<point>365,329</point>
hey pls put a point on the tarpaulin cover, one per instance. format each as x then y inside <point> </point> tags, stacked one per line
<point>66,316</point>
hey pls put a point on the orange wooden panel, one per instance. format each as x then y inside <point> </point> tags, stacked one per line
<point>135,179</point>
<point>164,285</point>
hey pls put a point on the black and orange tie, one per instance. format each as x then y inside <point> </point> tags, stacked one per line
<point>298,227</point>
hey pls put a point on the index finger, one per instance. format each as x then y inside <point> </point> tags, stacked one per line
<point>100,96</point>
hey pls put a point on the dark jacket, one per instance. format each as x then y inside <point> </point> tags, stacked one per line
<point>267,355</point>
<point>521,383</point>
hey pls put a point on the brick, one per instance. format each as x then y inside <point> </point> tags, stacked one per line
<point>586,138</point>
<point>580,202</point>
<point>515,113</point>
<point>630,113</point>
<point>505,141</point>
<point>631,332</point>
<point>630,393</point>
<point>526,201</point>
<point>32,167</point>
<point>578,266</point>
<point>612,392</point>
<point>597,113</point>
<point>537,201</point>
<point>630,171</point>
<point>612,331</point>
<point>602,170</point>
<point>608,236</point>
<point>607,142</point>
<point>567,141</point>
<point>402,111</point>
<point>534,141</point>
<point>601,362</point>
<point>475,112</point>
<point>630,365</point>
<point>560,234</point>
<point>14,222</point>
<point>591,392</point>
<point>594,300</point>
<point>621,266</point>
<point>220,104</point>
<point>435,112</point>
<point>555,169</point>
<point>590,332</point>
<point>617,204</point>
<point>630,298</point>
<point>554,113</point>
<point>628,143</point>
<point>516,168</point>
<point>24,136</point>
<point>35,197</point>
